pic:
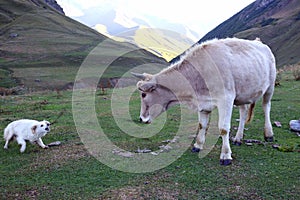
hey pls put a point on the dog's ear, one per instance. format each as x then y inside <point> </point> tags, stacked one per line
<point>33,129</point>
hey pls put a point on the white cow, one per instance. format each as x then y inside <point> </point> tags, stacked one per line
<point>215,74</point>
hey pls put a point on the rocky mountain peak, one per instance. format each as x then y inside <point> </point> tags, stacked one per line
<point>262,3</point>
<point>55,5</point>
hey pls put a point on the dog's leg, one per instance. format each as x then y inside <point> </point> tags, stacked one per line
<point>21,142</point>
<point>6,144</point>
<point>7,136</point>
<point>41,143</point>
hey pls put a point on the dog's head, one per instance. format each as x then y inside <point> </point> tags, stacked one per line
<point>41,128</point>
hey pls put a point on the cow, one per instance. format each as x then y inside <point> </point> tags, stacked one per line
<point>221,74</point>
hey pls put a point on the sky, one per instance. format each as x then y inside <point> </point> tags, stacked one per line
<point>199,15</point>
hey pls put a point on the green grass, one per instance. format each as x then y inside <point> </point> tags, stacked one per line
<point>6,79</point>
<point>70,172</point>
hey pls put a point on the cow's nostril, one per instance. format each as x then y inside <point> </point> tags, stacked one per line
<point>141,120</point>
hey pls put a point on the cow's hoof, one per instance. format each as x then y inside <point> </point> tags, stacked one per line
<point>269,139</point>
<point>195,150</point>
<point>237,143</point>
<point>225,162</point>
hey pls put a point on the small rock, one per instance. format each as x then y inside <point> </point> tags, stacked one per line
<point>253,141</point>
<point>295,125</point>
<point>275,146</point>
<point>248,144</point>
<point>165,148</point>
<point>278,124</point>
<point>174,140</point>
<point>125,154</point>
<point>13,35</point>
<point>56,143</point>
<point>143,151</point>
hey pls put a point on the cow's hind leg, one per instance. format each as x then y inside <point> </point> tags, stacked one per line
<point>203,126</point>
<point>237,140</point>
<point>266,104</point>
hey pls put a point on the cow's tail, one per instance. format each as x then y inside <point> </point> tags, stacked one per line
<point>250,113</point>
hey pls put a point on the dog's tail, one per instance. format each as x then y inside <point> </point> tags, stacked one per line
<point>250,113</point>
<point>6,133</point>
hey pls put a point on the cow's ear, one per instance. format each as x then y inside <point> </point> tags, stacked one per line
<point>147,87</point>
<point>33,129</point>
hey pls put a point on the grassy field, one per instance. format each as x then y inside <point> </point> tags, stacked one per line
<point>68,171</point>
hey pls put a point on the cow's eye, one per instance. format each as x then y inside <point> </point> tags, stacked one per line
<point>42,125</point>
<point>143,95</point>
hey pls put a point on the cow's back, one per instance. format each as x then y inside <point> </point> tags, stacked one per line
<point>245,68</point>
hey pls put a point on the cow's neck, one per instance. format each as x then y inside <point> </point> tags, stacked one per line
<point>179,78</point>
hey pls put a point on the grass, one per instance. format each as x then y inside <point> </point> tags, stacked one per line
<point>6,79</point>
<point>70,172</point>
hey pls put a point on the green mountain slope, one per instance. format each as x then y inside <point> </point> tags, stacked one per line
<point>276,22</point>
<point>32,33</point>
<point>162,43</point>
<point>43,48</point>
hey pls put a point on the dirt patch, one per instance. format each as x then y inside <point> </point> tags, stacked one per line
<point>29,193</point>
<point>141,193</point>
<point>54,157</point>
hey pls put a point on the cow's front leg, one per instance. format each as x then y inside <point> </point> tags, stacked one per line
<point>202,130</point>
<point>224,126</point>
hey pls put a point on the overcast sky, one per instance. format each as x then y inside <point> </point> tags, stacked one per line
<point>200,15</point>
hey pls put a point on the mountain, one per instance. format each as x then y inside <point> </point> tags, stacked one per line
<point>275,22</point>
<point>42,48</point>
<point>55,5</point>
<point>121,25</point>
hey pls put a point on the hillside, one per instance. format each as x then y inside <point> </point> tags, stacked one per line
<point>41,47</point>
<point>163,43</point>
<point>276,22</point>
<point>166,40</point>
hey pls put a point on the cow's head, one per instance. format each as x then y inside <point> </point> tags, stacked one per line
<point>155,98</point>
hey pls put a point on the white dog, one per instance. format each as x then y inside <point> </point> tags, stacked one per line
<point>26,130</point>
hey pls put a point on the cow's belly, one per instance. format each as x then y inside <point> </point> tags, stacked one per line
<point>249,98</point>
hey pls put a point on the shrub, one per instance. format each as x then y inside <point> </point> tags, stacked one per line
<point>278,77</point>
<point>296,71</point>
